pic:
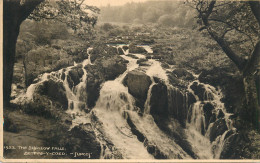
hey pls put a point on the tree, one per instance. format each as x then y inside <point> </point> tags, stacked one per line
<point>73,13</point>
<point>235,27</point>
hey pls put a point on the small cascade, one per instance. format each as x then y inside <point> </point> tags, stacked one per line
<point>121,46</point>
<point>123,125</point>
<point>76,99</point>
<point>198,131</point>
<point>147,102</point>
<point>113,101</point>
<point>197,118</point>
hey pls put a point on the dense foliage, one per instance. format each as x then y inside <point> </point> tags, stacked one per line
<point>165,13</point>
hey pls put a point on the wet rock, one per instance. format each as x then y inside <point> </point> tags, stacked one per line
<point>233,147</point>
<point>104,69</point>
<point>75,75</point>
<point>135,131</point>
<point>229,133</point>
<point>70,82</point>
<point>220,114</point>
<point>48,108</point>
<point>63,76</point>
<point>112,67</point>
<point>178,105</point>
<point>135,49</point>
<point>213,118</point>
<point>132,56</point>
<point>101,50</point>
<point>183,74</point>
<point>207,109</point>
<point>120,51</point>
<point>157,57</point>
<point>159,100</point>
<point>55,91</point>
<point>83,140</point>
<point>125,47</point>
<point>138,84</point>
<point>174,80</point>
<point>218,128</point>
<point>200,91</point>
<point>191,98</point>
<point>154,150</point>
<point>94,80</point>
<point>142,62</point>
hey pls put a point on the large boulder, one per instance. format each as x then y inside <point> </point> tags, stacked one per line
<point>83,140</point>
<point>177,82</point>
<point>94,80</point>
<point>120,51</point>
<point>112,67</point>
<point>201,92</point>
<point>181,73</point>
<point>104,69</point>
<point>75,74</point>
<point>101,51</point>
<point>55,91</point>
<point>234,147</point>
<point>135,49</point>
<point>138,84</point>
<point>159,100</point>
<point>179,103</point>
<point>218,128</point>
<point>207,109</point>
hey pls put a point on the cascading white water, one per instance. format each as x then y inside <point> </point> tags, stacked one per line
<point>111,108</point>
<point>74,95</point>
<point>201,144</point>
<point>115,101</point>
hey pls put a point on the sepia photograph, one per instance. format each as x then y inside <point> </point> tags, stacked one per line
<point>130,80</point>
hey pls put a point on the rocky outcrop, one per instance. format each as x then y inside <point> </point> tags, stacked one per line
<point>135,49</point>
<point>55,91</point>
<point>177,82</point>
<point>159,100</point>
<point>183,74</point>
<point>120,51</point>
<point>75,74</point>
<point>179,104</point>
<point>83,140</point>
<point>218,128</point>
<point>104,69</point>
<point>138,84</point>
<point>234,147</point>
<point>200,91</point>
<point>207,109</point>
<point>102,51</point>
<point>125,47</point>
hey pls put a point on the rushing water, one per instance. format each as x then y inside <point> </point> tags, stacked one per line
<point>115,107</point>
<point>201,143</point>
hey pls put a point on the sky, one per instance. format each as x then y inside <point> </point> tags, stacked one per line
<point>111,2</point>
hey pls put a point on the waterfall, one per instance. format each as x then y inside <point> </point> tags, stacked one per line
<point>124,133</point>
<point>113,101</point>
<point>196,128</point>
